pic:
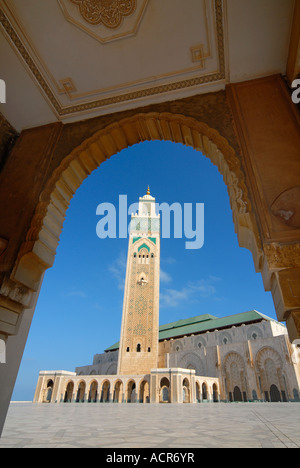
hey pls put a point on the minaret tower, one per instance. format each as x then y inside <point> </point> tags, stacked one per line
<point>138,351</point>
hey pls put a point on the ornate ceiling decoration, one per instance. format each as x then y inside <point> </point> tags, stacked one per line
<point>150,71</point>
<point>110,13</point>
<point>104,19</point>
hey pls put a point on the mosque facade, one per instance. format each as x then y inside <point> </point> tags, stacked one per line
<point>242,357</point>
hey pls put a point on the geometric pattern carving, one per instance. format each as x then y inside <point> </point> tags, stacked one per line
<point>192,361</point>
<point>235,358</point>
<point>140,297</point>
<point>265,354</point>
<point>141,305</point>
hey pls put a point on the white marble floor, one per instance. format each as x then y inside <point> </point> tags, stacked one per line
<point>108,425</point>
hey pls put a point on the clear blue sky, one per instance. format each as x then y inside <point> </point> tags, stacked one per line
<point>80,305</point>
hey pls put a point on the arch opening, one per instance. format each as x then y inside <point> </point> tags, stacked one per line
<point>88,157</point>
<point>47,223</point>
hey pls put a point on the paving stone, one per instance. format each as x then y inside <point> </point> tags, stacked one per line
<point>245,425</point>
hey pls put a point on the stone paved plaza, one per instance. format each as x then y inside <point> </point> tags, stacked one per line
<point>236,425</point>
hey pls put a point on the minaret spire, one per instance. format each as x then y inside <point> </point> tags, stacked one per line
<point>138,350</point>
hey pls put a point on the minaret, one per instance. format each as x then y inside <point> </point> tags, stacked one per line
<point>138,351</point>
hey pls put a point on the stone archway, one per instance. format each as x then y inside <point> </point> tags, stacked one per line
<point>235,375</point>
<point>215,393</point>
<point>37,253</point>
<point>144,394</point>
<point>105,392</point>
<point>131,392</point>
<point>19,291</point>
<point>48,391</point>
<point>93,391</point>
<point>271,375</point>
<point>204,391</point>
<point>186,391</point>
<point>118,392</point>
<point>164,392</point>
<point>69,392</point>
<point>80,395</point>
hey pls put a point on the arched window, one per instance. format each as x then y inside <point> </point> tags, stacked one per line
<point>164,390</point>
<point>49,390</point>
<point>138,348</point>
<point>144,256</point>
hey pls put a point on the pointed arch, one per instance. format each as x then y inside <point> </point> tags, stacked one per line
<point>235,375</point>
<point>93,391</point>
<point>80,396</point>
<point>268,353</point>
<point>69,391</point>
<point>118,391</point>
<point>144,391</point>
<point>37,253</point>
<point>131,391</point>
<point>105,391</point>
<point>270,369</point>
<point>233,357</point>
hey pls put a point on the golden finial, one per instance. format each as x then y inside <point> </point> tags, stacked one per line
<point>148,190</point>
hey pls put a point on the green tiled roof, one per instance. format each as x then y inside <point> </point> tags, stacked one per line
<point>201,324</point>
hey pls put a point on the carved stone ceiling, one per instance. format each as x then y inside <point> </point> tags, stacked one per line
<point>73,59</point>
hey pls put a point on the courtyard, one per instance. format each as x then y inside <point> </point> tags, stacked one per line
<point>108,425</point>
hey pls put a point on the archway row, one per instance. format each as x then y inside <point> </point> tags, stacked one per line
<point>107,390</point>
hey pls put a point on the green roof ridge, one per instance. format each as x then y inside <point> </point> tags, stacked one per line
<point>202,323</point>
<point>182,322</point>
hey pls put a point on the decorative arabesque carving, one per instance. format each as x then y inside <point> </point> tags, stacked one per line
<point>110,13</point>
<point>266,353</point>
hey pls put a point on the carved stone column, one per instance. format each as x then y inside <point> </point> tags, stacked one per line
<point>267,127</point>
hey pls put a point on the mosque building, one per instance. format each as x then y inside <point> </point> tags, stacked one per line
<point>242,357</point>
